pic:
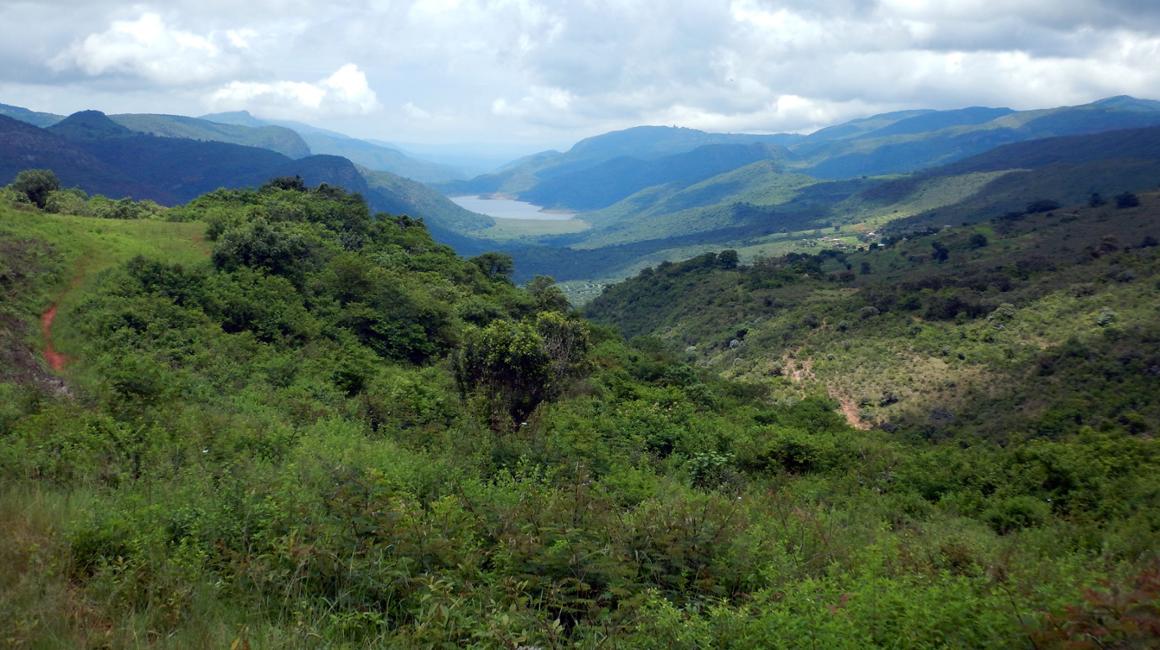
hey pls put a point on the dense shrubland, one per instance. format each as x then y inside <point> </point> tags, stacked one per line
<point>331,431</point>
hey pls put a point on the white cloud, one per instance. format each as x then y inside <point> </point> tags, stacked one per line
<point>413,111</point>
<point>551,72</point>
<point>151,49</point>
<point>345,92</point>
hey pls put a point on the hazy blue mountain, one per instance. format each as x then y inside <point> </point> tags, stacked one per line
<point>937,120</point>
<point>648,142</point>
<point>612,180</point>
<point>89,125</point>
<point>34,118</point>
<point>367,154</point>
<point>275,138</point>
<point>23,146</point>
<point>902,143</point>
<point>524,177</point>
<point>91,151</point>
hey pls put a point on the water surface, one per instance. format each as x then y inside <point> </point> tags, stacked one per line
<point>510,208</point>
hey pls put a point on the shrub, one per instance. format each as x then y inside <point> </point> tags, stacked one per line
<point>1127,200</point>
<point>1042,205</point>
<point>36,184</point>
<point>1016,513</point>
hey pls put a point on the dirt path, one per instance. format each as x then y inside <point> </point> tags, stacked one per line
<point>850,411</point>
<point>802,370</point>
<point>55,359</point>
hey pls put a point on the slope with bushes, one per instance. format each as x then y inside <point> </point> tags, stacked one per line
<point>327,429</point>
<point>987,330</point>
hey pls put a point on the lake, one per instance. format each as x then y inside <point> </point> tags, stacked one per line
<point>510,209</point>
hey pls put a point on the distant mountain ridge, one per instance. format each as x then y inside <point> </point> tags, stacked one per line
<point>892,143</point>
<point>275,138</point>
<point>34,118</point>
<point>367,154</point>
<point>94,152</point>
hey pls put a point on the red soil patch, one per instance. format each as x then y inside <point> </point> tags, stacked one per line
<point>55,359</point>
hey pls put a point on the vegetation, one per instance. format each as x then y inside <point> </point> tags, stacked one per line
<point>318,427</point>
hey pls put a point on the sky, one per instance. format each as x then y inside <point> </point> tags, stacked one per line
<point>529,75</point>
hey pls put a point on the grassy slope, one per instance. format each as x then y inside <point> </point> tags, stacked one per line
<point>82,247</point>
<point>398,195</point>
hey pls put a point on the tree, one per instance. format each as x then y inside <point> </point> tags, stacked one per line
<point>36,185</point>
<point>548,296</point>
<point>516,366</point>
<point>278,248</point>
<point>1127,200</point>
<point>496,266</point>
<point>940,254</point>
<point>1096,200</point>
<point>294,183</point>
<point>727,259</point>
<point>978,240</point>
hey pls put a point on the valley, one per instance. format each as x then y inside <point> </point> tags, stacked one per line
<point>892,383</point>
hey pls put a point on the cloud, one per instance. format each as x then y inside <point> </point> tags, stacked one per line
<point>151,49</point>
<point>552,72</point>
<point>345,92</point>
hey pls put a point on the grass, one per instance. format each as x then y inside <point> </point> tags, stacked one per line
<point>517,229</point>
<point>85,246</point>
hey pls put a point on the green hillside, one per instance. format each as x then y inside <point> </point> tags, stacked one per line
<point>316,428</point>
<point>399,195</point>
<point>958,346</point>
<point>274,138</point>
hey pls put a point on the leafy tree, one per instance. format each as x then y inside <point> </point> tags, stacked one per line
<point>277,248</point>
<point>727,259</point>
<point>36,184</point>
<point>941,253</point>
<point>1096,200</point>
<point>548,296</point>
<point>516,366</point>
<point>978,240</point>
<point>294,183</point>
<point>496,266</point>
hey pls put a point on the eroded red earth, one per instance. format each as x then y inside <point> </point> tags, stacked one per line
<point>55,359</point>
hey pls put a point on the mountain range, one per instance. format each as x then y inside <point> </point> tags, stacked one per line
<point>101,155</point>
<point>644,194</point>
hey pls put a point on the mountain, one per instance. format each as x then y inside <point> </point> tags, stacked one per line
<point>1064,170</point>
<point>398,195</point>
<point>23,146</point>
<point>596,172</point>
<point>607,182</point>
<point>905,142</point>
<point>87,126</point>
<point>767,208</point>
<point>31,117</point>
<point>92,151</point>
<point>626,159</point>
<point>275,138</point>
<point>372,156</point>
